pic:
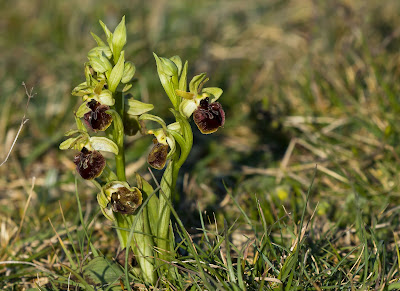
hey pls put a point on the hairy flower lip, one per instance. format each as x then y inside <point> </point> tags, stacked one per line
<point>89,164</point>
<point>97,119</point>
<point>157,157</point>
<point>209,116</point>
<point>126,201</point>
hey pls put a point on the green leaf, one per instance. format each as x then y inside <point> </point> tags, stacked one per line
<point>116,74</point>
<point>152,205</point>
<point>108,34</point>
<point>102,272</point>
<point>135,107</point>
<point>98,40</point>
<point>119,39</point>
<point>103,144</point>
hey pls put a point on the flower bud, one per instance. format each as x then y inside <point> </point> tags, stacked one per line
<point>89,164</point>
<point>100,64</point>
<point>129,72</point>
<point>97,118</point>
<point>131,124</point>
<point>209,116</point>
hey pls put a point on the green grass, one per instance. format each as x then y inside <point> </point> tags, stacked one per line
<point>305,83</point>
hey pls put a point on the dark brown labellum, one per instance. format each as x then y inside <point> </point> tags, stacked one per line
<point>157,158</point>
<point>89,164</point>
<point>209,117</point>
<point>97,118</point>
<point>125,201</point>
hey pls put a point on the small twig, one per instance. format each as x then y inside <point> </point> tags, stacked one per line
<point>23,121</point>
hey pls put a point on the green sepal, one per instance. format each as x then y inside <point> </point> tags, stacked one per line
<point>129,72</point>
<point>98,40</point>
<point>155,118</point>
<point>106,97</point>
<point>183,78</point>
<point>135,107</point>
<point>68,144</point>
<point>100,64</point>
<point>178,62</point>
<point>108,213</point>
<point>88,74</point>
<point>126,87</point>
<point>76,143</point>
<point>119,39</point>
<point>102,199</point>
<point>108,175</point>
<point>100,51</point>
<point>82,110</point>
<point>103,144</point>
<point>116,74</point>
<point>79,124</point>
<point>82,90</point>
<point>71,132</point>
<point>197,82</point>
<point>214,93</point>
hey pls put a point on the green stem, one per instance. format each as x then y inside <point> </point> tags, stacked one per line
<point>118,135</point>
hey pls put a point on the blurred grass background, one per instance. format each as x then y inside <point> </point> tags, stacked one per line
<point>306,82</point>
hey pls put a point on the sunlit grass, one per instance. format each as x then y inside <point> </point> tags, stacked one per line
<point>306,83</point>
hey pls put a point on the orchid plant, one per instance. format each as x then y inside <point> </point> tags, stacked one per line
<point>108,113</point>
